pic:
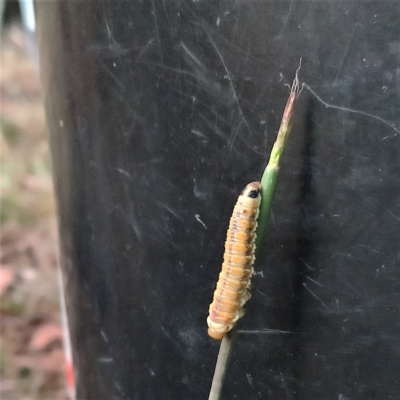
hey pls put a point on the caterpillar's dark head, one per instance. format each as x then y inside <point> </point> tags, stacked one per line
<point>252,190</point>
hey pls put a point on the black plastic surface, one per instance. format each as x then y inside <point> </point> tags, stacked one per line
<point>160,112</point>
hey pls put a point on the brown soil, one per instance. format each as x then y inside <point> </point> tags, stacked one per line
<point>32,361</point>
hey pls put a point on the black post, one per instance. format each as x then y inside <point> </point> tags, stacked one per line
<point>159,113</point>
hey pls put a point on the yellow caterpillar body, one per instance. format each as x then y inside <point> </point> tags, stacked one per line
<point>233,285</point>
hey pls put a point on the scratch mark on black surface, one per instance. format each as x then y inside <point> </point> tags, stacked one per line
<point>286,20</point>
<point>345,312</point>
<point>227,74</point>
<point>167,229</point>
<point>362,246</point>
<point>213,126</point>
<point>350,110</point>
<point>169,209</point>
<point>104,336</point>
<point>345,52</point>
<point>105,360</point>
<point>266,106</point>
<point>393,215</point>
<point>156,25</point>
<point>197,216</point>
<point>179,267</point>
<point>123,172</point>
<point>312,280</point>
<point>315,296</point>
<point>108,50</point>
<point>381,299</point>
<point>284,383</point>
<point>145,48</point>
<point>131,220</point>
<point>118,386</point>
<point>192,56</point>
<point>351,287</point>
<point>323,329</point>
<point>114,47</point>
<point>263,332</point>
<point>116,80</point>
<point>238,21</point>
<point>262,294</point>
<point>166,67</point>
<point>273,218</point>
<point>170,338</point>
<point>374,203</point>
<point>260,273</point>
<point>307,265</point>
<point>249,379</point>
<point>197,133</point>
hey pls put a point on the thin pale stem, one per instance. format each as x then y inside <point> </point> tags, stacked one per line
<point>220,368</point>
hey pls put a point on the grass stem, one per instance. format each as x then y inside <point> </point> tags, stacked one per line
<point>220,368</point>
<point>268,183</point>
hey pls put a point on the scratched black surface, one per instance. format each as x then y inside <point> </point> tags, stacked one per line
<point>159,114</point>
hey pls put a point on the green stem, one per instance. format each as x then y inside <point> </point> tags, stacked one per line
<point>268,183</point>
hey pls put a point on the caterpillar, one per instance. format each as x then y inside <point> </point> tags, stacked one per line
<point>232,290</point>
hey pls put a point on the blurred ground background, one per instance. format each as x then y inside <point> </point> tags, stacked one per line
<point>31,353</point>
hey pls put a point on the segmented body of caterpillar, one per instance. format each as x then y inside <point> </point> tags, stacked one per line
<point>233,285</point>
